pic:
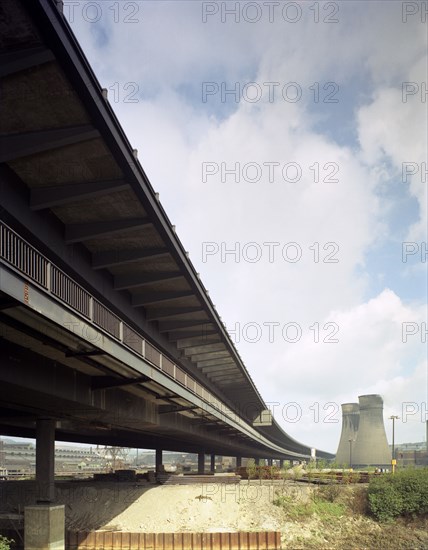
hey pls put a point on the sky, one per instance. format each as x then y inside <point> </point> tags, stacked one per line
<point>288,143</point>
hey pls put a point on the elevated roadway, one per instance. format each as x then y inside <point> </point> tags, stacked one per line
<point>107,333</point>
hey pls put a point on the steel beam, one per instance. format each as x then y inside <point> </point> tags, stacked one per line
<point>211,355</point>
<point>171,312</point>
<point>125,282</point>
<point>14,146</point>
<point>46,340</point>
<point>220,368</point>
<point>204,348</point>
<point>184,343</point>
<point>8,304</point>
<point>102,260</point>
<point>89,353</point>
<point>168,326</point>
<point>188,334</point>
<point>218,378</point>
<point>105,382</point>
<point>151,298</point>
<point>58,195</point>
<point>177,409</point>
<point>80,232</point>
<point>19,60</point>
<point>215,362</point>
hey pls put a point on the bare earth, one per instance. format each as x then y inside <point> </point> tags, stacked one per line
<point>222,507</point>
<point>142,507</point>
<point>193,508</point>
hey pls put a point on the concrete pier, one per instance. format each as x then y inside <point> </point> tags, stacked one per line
<point>201,463</point>
<point>45,460</point>
<point>44,527</point>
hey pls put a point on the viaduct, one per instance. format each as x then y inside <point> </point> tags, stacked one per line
<point>107,333</point>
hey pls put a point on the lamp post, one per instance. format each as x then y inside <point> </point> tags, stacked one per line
<point>350,453</point>
<point>393,461</point>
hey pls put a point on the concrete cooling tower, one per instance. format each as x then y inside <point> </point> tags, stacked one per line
<point>350,422</point>
<point>371,447</point>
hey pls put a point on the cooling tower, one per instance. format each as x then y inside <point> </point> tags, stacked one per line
<point>371,446</point>
<point>350,421</point>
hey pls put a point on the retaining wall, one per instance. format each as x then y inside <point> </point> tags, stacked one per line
<point>111,540</point>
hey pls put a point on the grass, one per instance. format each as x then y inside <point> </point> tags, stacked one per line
<point>337,517</point>
<point>315,506</point>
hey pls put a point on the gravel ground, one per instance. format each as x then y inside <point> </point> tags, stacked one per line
<point>172,508</point>
<point>137,507</point>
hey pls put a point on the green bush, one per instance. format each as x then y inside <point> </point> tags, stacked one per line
<point>413,486</point>
<point>402,494</point>
<point>5,543</point>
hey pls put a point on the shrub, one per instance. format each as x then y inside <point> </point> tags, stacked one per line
<point>329,493</point>
<point>251,469</point>
<point>285,474</point>
<point>402,494</point>
<point>413,487</point>
<point>274,472</point>
<point>322,464</point>
<point>5,543</point>
<point>297,472</point>
<point>358,502</point>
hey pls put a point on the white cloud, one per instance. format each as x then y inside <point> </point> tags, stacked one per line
<point>371,356</point>
<point>369,53</point>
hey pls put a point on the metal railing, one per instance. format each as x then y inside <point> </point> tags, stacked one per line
<point>18,253</point>
<point>25,259</point>
<point>70,292</point>
<point>107,320</point>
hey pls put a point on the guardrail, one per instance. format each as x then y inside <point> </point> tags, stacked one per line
<point>23,258</point>
<point>29,262</point>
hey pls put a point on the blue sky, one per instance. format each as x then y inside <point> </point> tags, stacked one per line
<point>168,54</point>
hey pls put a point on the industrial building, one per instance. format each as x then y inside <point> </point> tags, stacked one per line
<point>363,439</point>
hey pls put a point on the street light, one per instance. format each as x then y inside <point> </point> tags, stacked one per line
<point>350,453</point>
<point>393,461</point>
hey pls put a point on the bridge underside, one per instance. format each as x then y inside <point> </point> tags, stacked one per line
<point>105,326</point>
<point>56,365</point>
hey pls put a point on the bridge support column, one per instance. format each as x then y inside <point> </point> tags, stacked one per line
<point>44,527</point>
<point>158,461</point>
<point>281,463</point>
<point>45,460</point>
<point>257,461</point>
<point>269,462</point>
<point>201,463</point>
<point>212,463</point>
<point>44,524</point>
<point>238,461</point>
